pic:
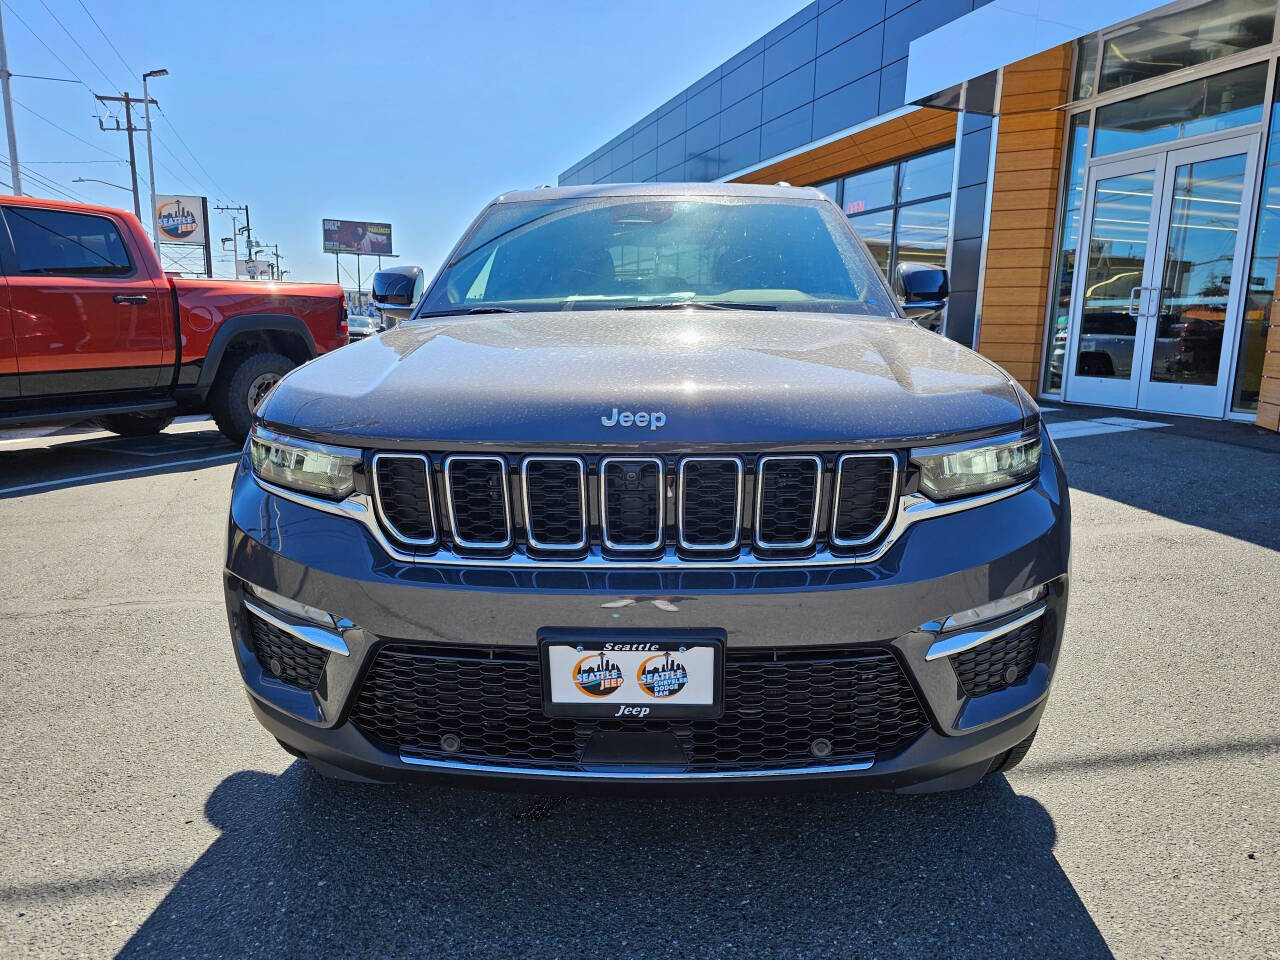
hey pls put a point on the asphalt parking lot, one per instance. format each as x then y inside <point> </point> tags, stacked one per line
<point>144,812</point>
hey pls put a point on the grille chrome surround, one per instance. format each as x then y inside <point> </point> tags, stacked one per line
<point>657,541</point>
<point>910,509</point>
<point>532,539</point>
<point>461,541</point>
<point>431,506</point>
<point>762,466</point>
<point>682,481</point>
<point>835,510</point>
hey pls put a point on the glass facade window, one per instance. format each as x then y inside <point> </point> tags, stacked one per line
<point>1065,261</point>
<point>1220,102</point>
<point>1260,289</point>
<point>1184,38</point>
<point>902,211</point>
<point>870,190</point>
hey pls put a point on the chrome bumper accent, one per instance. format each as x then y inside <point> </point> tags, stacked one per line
<point>961,642</point>
<point>454,766</point>
<point>316,636</point>
<point>912,509</point>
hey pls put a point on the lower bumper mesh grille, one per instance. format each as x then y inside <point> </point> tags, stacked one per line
<point>286,657</point>
<point>998,664</point>
<point>775,707</point>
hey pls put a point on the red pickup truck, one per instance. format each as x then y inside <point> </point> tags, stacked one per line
<point>92,328</point>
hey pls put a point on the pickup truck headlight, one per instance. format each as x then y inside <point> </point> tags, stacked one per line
<point>302,465</point>
<point>968,469</point>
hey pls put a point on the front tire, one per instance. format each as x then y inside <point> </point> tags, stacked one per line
<point>241,387</point>
<point>135,424</point>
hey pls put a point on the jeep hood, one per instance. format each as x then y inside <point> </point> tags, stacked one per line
<point>717,377</point>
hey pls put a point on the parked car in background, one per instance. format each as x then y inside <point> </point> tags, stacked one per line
<point>359,326</point>
<point>396,291</point>
<point>92,328</point>
<point>659,486</point>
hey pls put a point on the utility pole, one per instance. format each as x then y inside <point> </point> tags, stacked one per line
<point>151,164</point>
<point>248,236</point>
<point>129,129</point>
<point>14,176</point>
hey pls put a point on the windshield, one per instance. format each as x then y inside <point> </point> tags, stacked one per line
<point>618,252</point>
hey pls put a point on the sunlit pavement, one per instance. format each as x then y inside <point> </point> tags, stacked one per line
<point>143,810</point>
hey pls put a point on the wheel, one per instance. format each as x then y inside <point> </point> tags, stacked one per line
<point>1011,758</point>
<point>135,424</point>
<point>241,387</point>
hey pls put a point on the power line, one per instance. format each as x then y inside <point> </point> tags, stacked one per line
<point>119,55</point>
<point>214,183</point>
<point>66,131</point>
<point>76,42</point>
<point>51,185</point>
<point>42,162</point>
<point>31,31</point>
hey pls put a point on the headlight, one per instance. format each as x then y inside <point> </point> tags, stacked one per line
<point>965,470</point>
<point>301,465</point>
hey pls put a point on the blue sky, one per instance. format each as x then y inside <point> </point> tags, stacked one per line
<point>413,113</point>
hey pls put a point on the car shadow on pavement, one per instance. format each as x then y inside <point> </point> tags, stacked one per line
<point>33,467</point>
<point>1216,476</point>
<point>307,866</point>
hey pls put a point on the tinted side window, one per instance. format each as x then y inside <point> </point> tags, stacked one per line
<point>58,242</point>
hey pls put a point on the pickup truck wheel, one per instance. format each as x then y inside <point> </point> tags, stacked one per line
<point>135,424</point>
<point>239,389</point>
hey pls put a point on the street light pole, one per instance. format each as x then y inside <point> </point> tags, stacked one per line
<point>95,180</point>
<point>151,163</point>
<point>14,176</point>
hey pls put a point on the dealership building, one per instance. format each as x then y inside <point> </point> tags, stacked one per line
<point>1102,180</point>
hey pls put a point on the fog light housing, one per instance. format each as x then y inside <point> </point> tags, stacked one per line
<point>996,608</point>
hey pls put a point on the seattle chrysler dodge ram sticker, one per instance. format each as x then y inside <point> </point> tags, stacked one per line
<point>662,676</point>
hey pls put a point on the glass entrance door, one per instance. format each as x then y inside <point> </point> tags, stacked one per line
<point>1164,269</point>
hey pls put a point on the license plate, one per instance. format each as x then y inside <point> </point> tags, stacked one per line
<point>632,677</point>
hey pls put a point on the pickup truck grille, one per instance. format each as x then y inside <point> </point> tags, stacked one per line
<point>636,508</point>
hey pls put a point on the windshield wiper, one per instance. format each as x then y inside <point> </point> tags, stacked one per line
<point>466,311</point>
<point>699,305</point>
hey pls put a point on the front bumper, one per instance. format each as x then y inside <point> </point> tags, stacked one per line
<point>938,567</point>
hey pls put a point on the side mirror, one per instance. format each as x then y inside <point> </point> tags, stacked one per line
<point>923,290</point>
<point>396,292</point>
<point>393,288</point>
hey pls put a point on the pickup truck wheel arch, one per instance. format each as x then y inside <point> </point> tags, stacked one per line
<point>267,333</point>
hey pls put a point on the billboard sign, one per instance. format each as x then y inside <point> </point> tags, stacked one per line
<point>357,236</point>
<point>182,220</point>
<point>254,269</point>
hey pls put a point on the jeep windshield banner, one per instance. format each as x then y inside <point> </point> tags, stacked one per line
<point>181,219</point>
<point>357,236</point>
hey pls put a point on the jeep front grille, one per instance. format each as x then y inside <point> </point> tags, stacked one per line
<point>488,703</point>
<point>479,502</point>
<point>641,508</point>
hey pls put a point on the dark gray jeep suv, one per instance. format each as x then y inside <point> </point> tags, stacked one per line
<point>658,486</point>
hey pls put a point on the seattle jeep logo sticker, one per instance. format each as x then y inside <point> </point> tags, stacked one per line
<point>597,676</point>
<point>654,420</point>
<point>662,676</point>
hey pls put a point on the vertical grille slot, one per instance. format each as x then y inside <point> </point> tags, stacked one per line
<point>787,501</point>
<point>866,484</point>
<point>631,491</point>
<point>479,505</point>
<point>710,502</point>
<point>555,502</point>
<point>402,495</point>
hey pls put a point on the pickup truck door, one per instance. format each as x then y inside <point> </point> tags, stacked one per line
<point>87,315</point>
<point>8,349</point>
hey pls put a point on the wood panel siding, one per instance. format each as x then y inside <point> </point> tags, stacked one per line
<point>915,132</point>
<point>1269,394</point>
<point>1024,197</point>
